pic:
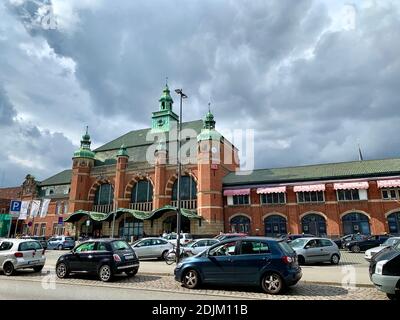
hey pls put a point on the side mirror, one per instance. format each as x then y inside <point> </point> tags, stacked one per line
<point>307,247</point>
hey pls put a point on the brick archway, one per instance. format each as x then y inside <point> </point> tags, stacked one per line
<point>133,181</point>
<point>95,185</point>
<point>174,177</point>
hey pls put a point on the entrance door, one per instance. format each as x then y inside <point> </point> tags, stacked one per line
<point>169,224</point>
<point>314,224</point>
<point>275,226</point>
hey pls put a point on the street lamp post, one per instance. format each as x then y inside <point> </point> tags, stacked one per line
<point>178,197</point>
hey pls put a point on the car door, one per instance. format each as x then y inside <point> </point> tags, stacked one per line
<point>199,246</point>
<point>219,264</point>
<point>313,251</point>
<point>82,257</point>
<point>252,257</point>
<point>328,248</point>
<point>142,249</point>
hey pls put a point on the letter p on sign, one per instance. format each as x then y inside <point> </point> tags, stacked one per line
<point>15,206</point>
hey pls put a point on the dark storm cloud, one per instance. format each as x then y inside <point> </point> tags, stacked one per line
<point>309,90</point>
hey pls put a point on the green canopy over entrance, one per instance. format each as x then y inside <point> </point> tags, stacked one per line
<point>78,215</point>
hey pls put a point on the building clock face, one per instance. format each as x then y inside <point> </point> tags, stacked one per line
<point>160,122</point>
<point>214,150</point>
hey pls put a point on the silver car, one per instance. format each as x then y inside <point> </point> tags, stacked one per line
<point>152,248</point>
<point>18,254</point>
<point>199,245</point>
<point>312,250</point>
<point>388,243</point>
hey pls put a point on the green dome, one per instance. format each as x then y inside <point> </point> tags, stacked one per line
<point>166,95</point>
<point>122,152</point>
<point>84,153</point>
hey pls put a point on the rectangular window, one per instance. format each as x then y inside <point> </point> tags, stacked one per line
<point>310,196</point>
<point>273,198</point>
<point>391,194</point>
<point>36,229</point>
<point>348,195</point>
<point>43,229</point>
<point>241,199</point>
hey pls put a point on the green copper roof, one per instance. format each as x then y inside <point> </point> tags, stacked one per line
<point>84,151</point>
<point>209,134</point>
<point>77,215</point>
<point>329,171</point>
<point>166,95</point>
<point>63,177</point>
<point>137,138</point>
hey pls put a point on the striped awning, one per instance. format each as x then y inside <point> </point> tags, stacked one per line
<point>389,183</point>
<point>237,192</point>
<point>310,187</point>
<point>271,190</point>
<point>351,185</point>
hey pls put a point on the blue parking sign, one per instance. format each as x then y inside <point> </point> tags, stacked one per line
<point>15,207</point>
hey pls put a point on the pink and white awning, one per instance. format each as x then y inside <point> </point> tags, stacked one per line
<point>351,185</point>
<point>271,190</point>
<point>309,188</point>
<point>389,183</point>
<point>237,192</point>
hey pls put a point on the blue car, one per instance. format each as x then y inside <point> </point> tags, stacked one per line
<point>61,243</point>
<point>269,263</point>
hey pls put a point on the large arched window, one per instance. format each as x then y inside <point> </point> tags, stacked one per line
<point>240,224</point>
<point>275,226</point>
<point>314,224</point>
<point>130,228</point>
<point>394,223</point>
<point>188,192</point>
<point>103,198</point>
<point>142,196</point>
<point>356,222</point>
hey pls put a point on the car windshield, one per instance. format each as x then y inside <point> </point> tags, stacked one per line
<point>397,246</point>
<point>391,242</point>
<point>119,245</point>
<point>298,243</point>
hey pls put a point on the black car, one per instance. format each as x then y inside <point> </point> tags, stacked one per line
<point>341,242</point>
<point>384,271</point>
<point>366,243</point>
<point>104,257</point>
<point>290,237</point>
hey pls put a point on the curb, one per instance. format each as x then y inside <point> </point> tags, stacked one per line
<point>357,285</point>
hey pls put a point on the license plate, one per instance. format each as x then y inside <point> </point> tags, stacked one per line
<point>129,257</point>
<point>33,261</point>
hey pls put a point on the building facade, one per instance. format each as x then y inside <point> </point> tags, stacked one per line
<point>128,188</point>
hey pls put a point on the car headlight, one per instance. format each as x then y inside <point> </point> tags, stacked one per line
<point>379,266</point>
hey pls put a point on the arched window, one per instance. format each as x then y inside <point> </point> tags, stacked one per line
<point>275,226</point>
<point>142,192</point>
<point>188,188</point>
<point>240,224</point>
<point>314,224</point>
<point>104,194</point>
<point>394,223</point>
<point>356,222</point>
<point>130,227</point>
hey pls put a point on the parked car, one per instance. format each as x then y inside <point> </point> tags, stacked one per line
<point>312,250</point>
<point>42,240</point>
<point>61,242</point>
<point>384,271</point>
<point>366,243</point>
<point>184,238</point>
<point>16,254</point>
<point>259,261</point>
<point>290,237</point>
<point>152,248</point>
<point>104,257</point>
<point>226,236</point>
<point>341,242</point>
<point>392,241</point>
<point>199,245</point>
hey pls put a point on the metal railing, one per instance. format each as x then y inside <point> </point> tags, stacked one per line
<point>142,206</point>
<point>104,208</point>
<point>186,204</point>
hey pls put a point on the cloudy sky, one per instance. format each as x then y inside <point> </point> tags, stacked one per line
<point>311,78</point>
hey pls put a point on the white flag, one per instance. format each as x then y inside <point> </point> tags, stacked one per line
<point>24,210</point>
<point>35,208</point>
<point>45,207</point>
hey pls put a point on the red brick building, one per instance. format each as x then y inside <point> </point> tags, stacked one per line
<point>128,187</point>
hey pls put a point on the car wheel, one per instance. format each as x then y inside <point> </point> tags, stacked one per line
<point>335,259</point>
<point>164,255</point>
<point>38,268</point>
<point>272,283</point>
<point>8,269</point>
<point>191,279</point>
<point>105,273</point>
<point>355,249</point>
<point>301,260</point>
<point>60,247</point>
<point>132,272</point>
<point>62,270</point>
